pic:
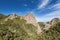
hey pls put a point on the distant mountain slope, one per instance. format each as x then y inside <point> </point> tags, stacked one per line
<point>52,34</point>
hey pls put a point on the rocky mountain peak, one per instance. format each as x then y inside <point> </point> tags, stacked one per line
<point>55,21</point>
<point>31,20</point>
<point>29,14</point>
<point>11,16</point>
<point>14,14</point>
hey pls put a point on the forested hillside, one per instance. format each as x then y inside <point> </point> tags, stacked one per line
<point>18,29</point>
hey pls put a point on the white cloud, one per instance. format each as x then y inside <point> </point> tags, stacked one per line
<point>49,16</point>
<point>43,4</point>
<point>56,6</point>
<point>54,13</point>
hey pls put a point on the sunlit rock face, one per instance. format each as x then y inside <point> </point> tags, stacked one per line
<point>47,26</point>
<point>55,21</point>
<point>11,16</point>
<point>31,20</point>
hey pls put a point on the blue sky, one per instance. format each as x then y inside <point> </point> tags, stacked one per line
<point>43,10</point>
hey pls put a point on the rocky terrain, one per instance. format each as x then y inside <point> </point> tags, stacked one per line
<point>14,27</point>
<point>31,20</point>
<point>55,21</point>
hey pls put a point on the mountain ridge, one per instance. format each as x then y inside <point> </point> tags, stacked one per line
<point>18,29</point>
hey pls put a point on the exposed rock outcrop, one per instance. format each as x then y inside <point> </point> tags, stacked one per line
<point>47,26</point>
<point>31,20</point>
<point>55,21</point>
<point>12,16</point>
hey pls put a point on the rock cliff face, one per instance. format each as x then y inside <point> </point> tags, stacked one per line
<point>47,26</point>
<point>31,20</point>
<point>12,16</point>
<point>55,21</point>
